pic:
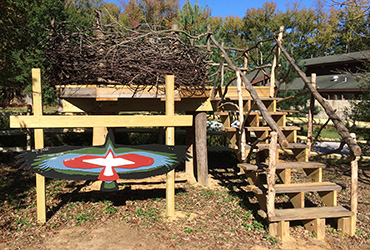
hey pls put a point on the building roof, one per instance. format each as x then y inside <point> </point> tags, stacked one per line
<point>341,58</point>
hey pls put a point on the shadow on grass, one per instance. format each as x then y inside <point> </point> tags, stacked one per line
<point>223,168</point>
<point>15,184</point>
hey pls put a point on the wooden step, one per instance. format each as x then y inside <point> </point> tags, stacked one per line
<point>290,146</point>
<point>309,213</point>
<point>298,188</point>
<point>282,165</point>
<point>235,112</point>
<point>260,129</point>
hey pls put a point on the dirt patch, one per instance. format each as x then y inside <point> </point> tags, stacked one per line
<point>222,217</point>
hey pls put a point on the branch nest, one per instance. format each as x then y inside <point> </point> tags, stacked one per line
<point>137,58</point>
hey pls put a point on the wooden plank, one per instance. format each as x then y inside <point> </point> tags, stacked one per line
<point>286,128</point>
<point>310,213</point>
<point>136,104</point>
<point>290,146</point>
<point>170,140</point>
<point>201,147</point>
<point>55,121</point>
<point>232,92</point>
<point>123,91</point>
<point>298,187</point>
<point>283,165</point>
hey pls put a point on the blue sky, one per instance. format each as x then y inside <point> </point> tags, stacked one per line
<point>236,7</point>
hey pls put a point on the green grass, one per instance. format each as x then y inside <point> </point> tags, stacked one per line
<point>329,133</point>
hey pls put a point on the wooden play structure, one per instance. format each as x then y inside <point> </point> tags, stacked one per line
<point>263,131</point>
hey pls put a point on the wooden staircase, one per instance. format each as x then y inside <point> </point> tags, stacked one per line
<point>270,179</point>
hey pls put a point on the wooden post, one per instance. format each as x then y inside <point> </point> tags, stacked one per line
<point>222,68</point>
<point>310,116</point>
<point>271,192</point>
<point>242,138</point>
<point>39,144</point>
<point>99,135</point>
<point>201,147</point>
<point>274,64</point>
<point>354,188</point>
<point>170,140</point>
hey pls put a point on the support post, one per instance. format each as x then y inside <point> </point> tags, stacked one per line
<point>242,138</point>
<point>99,135</point>
<point>170,140</point>
<point>310,116</point>
<point>39,144</point>
<point>271,192</point>
<point>354,188</point>
<point>201,147</point>
<point>274,63</point>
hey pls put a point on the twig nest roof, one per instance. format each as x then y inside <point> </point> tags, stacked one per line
<point>137,58</point>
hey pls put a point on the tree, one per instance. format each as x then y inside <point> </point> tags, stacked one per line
<point>27,25</point>
<point>354,27</point>
<point>193,19</point>
<point>156,13</point>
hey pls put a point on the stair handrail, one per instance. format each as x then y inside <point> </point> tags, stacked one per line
<point>341,128</point>
<point>248,86</point>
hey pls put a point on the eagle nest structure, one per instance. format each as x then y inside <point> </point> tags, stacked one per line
<point>138,58</point>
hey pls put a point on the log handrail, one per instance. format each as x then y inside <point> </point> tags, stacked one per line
<point>341,128</point>
<point>249,87</point>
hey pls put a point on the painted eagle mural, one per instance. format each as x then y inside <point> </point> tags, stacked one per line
<point>107,163</point>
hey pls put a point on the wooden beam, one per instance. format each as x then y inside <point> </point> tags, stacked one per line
<point>341,128</point>
<point>53,121</point>
<point>170,140</point>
